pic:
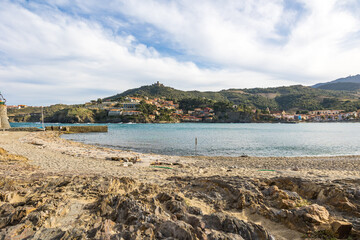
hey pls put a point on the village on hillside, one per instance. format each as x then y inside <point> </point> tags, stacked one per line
<point>130,107</point>
<point>133,107</point>
<point>160,109</point>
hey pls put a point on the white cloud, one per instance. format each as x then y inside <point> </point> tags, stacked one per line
<point>51,56</point>
<point>235,34</point>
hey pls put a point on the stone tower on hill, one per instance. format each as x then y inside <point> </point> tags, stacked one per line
<point>4,120</point>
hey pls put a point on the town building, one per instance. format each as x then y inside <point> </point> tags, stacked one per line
<point>130,113</point>
<point>325,112</point>
<point>114,112</point>
<point>130,106</point>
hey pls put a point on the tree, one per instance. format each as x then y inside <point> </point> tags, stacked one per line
<point>222,106</point>
<point>146,108</point>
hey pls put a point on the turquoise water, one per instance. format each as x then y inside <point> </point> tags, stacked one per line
<point>254,139</point>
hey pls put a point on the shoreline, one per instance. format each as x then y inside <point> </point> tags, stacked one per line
<point>212,184</point>
<point>210,156</point>
<point>190,153</point>
<point>329,167</point>
<point>347,121</point>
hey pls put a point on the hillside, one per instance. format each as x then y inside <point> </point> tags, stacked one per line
<point>54,113</point>
<point>291,99</point>
<point>154,91</point>
<point>343,86</point>
<point>351,83</point>
<point>295,97</point>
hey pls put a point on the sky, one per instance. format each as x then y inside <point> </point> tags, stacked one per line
<point>73,51</point>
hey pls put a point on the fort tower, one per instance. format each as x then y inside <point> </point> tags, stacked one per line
<point>4,120</point>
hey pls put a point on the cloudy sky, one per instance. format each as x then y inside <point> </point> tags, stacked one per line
<point>72,51</point>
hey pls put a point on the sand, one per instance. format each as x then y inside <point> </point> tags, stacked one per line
<point>50,154</point>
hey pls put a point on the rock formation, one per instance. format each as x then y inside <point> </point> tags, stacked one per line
<point>84,207</point>
<point>38,205</point>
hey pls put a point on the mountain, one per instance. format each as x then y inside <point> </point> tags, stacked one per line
<point>343,86</point>
<point>351,83</point>
<point>159,90</point>
<point>295,97</point>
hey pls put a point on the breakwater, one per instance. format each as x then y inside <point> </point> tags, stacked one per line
<point>24,129</point>
<point>62,129</point>
<point>77,129</point>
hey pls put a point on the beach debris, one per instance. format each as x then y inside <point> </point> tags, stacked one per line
<point>161,167</point>
<point>127,164</point>
<point>176,164</point>
<point>158,163</point>
<point>124,159</point>
<point>37,143</point>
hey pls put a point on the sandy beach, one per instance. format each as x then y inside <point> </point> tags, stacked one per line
<point>49,155</point>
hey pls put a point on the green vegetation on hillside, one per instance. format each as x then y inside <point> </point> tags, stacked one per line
<point>341,84</point>
<point>56,113</point>
<point>33,114</point>
<point>232,105</point>
<point>72,115</point>
<point>344,86</point>
<point>292,98</point>
<point>154,91</point>
<point>146,108</point>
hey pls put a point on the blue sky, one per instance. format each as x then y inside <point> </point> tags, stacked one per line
<point>72,51</point>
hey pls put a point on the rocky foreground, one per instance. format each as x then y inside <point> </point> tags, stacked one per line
<point>39,205</point>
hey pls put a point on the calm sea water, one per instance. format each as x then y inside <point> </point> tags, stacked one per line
<point>261,139</point>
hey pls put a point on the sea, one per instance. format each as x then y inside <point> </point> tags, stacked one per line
<point>226,139</point>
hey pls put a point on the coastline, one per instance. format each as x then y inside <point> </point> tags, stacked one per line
<point>327,167</point>
<point>50,155</point>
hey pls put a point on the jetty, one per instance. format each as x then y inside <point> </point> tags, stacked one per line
<point>62,129</point>
<point>78,129</point>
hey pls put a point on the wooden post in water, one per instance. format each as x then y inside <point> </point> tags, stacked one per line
<point>196,145</point>
<point>42,118</point>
